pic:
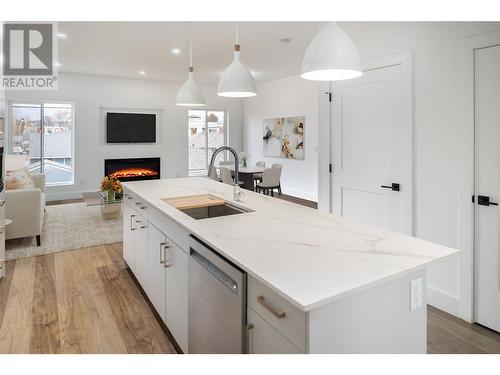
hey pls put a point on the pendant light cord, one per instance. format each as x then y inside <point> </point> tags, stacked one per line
<point>237,41</point>
<point>190,47</point>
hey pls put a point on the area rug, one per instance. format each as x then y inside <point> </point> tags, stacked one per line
<point>68,227</point>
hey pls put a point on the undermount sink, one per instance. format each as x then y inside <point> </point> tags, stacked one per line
<point>205,206</point>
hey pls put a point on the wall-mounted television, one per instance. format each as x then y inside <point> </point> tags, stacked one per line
<point>130,128</point>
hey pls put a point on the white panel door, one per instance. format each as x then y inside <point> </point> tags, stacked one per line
<point>487,187</point>
<point>156,278</point>
<point>129,216</point>
<point>264,339</point>
<point>176,310</point>
<point>371,148</point>
<point>141,249</point>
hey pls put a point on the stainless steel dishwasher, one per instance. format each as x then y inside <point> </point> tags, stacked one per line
<point>217,300</point>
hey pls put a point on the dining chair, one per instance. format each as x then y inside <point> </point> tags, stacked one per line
<point>224,162</point>
<point>280,166</point>
<point>270,181</point>
<point>258,176</point>
<point>225,175</point>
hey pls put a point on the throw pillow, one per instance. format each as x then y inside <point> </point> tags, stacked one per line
<point>19,179</point>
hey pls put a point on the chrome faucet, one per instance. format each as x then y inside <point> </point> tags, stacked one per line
<point>212,173</point>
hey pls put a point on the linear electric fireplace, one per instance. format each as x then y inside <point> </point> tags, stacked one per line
<point>133,169</point>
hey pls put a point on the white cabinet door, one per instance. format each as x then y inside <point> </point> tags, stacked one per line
<point>264,339</point>
<point>140,249</point>
<point>129,216</point>
<point>155,282</point>
<point>177,294</point>
<point>371,148</point>
<point>487,187</point>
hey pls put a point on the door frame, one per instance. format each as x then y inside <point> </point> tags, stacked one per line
<point>405,60</point>
<point>466,167</point>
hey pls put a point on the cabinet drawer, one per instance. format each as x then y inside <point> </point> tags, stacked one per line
<point>128,197</point>
<point>264,339</point>
<point>172,230</point>
<point>278,312</point>
<point>137,203</point>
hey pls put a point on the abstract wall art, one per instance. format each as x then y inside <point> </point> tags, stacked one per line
<point>283,137</point>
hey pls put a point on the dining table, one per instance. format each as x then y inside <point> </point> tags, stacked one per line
<point>246,175</point>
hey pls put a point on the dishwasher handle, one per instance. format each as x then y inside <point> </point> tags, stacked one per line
<point>220,275</point>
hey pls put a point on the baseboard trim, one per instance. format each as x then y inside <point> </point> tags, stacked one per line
<point>443,301</point>
<point>299,194</point>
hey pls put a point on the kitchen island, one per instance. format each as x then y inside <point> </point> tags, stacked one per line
<point>330,285</point>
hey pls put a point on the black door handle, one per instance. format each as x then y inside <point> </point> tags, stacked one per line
<point>484,200</point>
<point>393,187</point>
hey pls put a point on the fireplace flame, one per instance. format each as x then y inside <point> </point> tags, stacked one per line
<point>133,172</point>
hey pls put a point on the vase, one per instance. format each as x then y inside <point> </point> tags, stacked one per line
<point>110,196</point>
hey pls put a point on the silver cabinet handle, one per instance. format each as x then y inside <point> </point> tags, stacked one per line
<point>142,208</point>
<point>2,202</point>
<point>248,328</point>
<point>138,203</point>
<point>162,252</point>
<point>166,264</point>
<point>140,221</point>
<point>2,229</point>
<point>131,226</point>
<point>273,310</point>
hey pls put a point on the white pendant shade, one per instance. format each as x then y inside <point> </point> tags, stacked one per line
<point>190,94</point>
<point>331,56</point>
<point>236,81</point>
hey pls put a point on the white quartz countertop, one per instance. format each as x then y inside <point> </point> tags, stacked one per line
<point>309,257</point>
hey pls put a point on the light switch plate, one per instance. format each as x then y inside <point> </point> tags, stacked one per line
<point>416,293</point>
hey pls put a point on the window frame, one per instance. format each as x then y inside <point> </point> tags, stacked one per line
<point>203,172</point>
<point>41,103</point>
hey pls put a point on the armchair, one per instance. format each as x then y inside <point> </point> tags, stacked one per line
<point>26,209</point>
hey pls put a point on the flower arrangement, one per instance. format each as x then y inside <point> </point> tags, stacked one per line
<point>244,158</point>
<point>109,187</point>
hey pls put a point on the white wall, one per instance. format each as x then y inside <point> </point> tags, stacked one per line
<point>92,93</point>
<point>435,50</point>
<point>435,47</point>
<point>291,96</point>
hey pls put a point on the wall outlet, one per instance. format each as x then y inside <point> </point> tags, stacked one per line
<point>416,293</point>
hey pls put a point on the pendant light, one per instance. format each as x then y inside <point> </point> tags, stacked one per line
<point>331,56</point>
<point>190,94</point>
<point>236,81</point>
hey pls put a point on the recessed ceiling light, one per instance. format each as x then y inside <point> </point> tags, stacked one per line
<point>142,72</point>
<point>176,51</point>
<point>62,35</point>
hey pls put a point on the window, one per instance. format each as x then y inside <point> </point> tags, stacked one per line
<point>206,132</point>
<point>44,132</point>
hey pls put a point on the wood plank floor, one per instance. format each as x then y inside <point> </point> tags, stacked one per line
<point>85,301</point>
<point>81,301</point>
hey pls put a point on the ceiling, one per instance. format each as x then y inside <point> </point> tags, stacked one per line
<point>125,48</point>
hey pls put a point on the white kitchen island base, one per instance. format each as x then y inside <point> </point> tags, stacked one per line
<point>316,283</point>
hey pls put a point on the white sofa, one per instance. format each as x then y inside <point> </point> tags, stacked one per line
<point>26,208</point>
